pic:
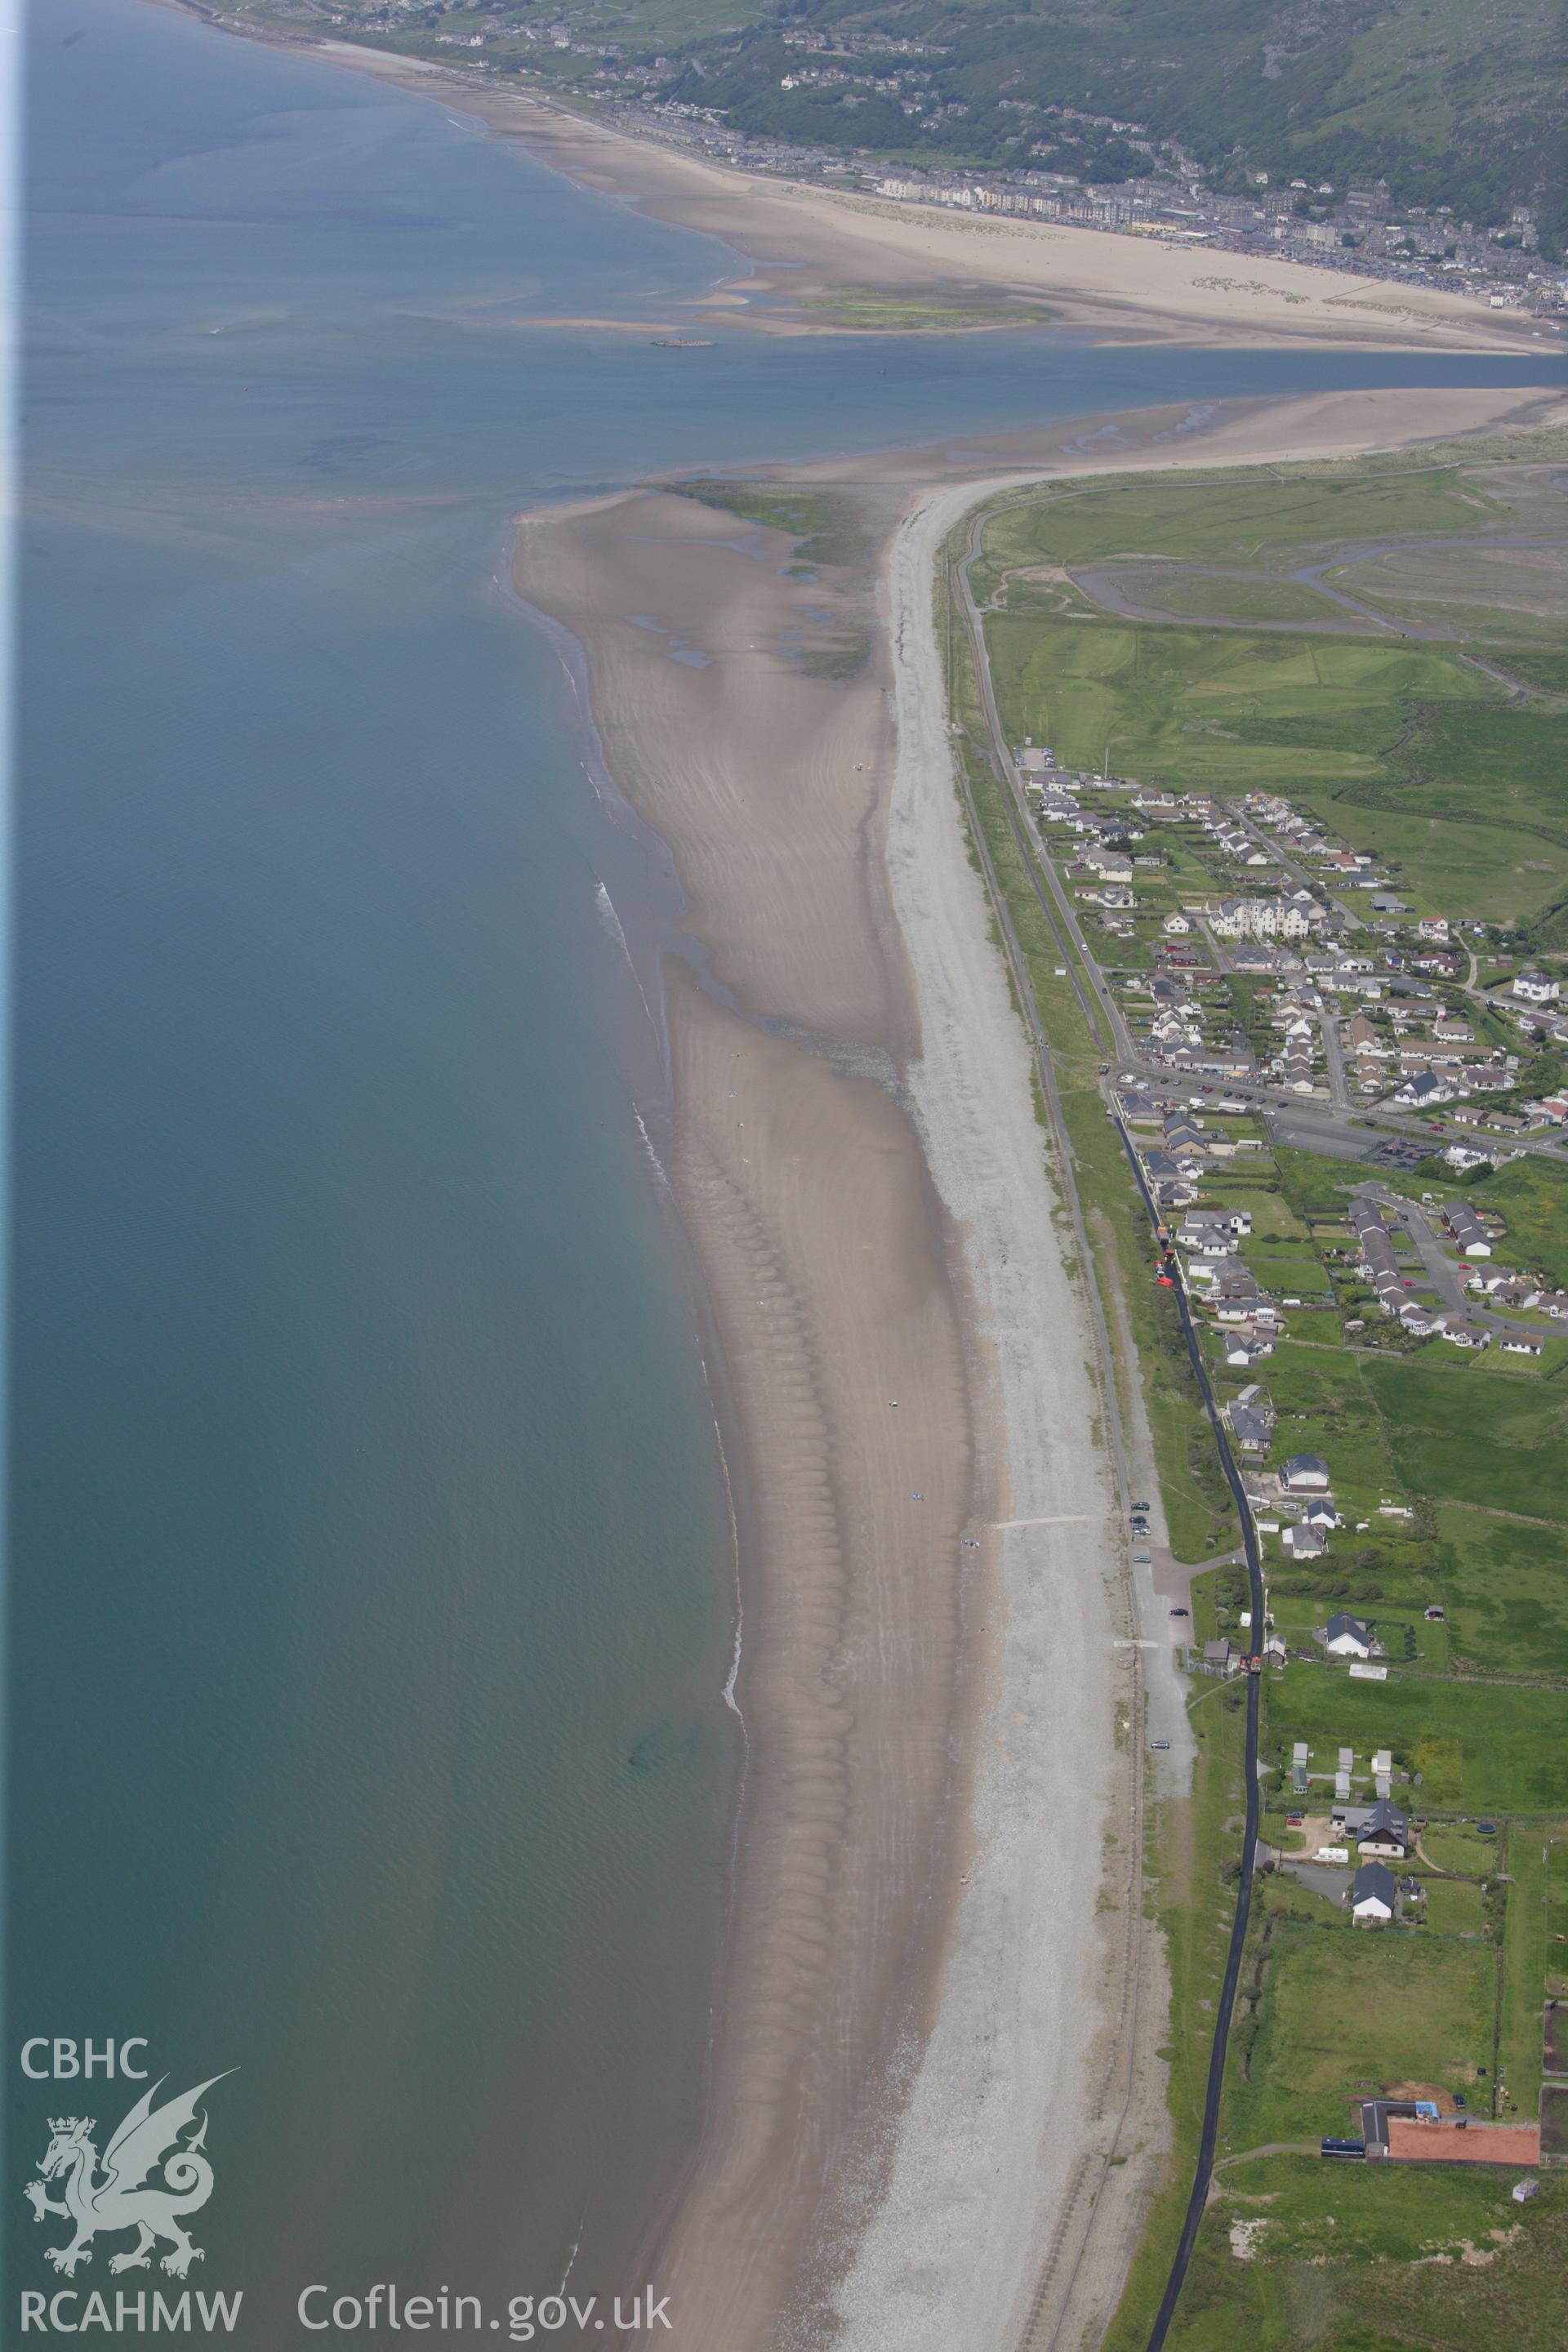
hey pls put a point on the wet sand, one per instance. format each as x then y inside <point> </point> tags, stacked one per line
<point>927,2002</point>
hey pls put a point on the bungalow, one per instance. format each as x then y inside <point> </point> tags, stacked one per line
<point>1347,1637</point>
<point>1373,1896</point>
<point>1465,1335</point>
<point>1304,1542</point>
<point>1522,1343</point>
<point>1244,1349</point>
<point>1304,1474</point>
<point>1249,1429</point>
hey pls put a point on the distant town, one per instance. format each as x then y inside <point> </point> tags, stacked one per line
<point>1353,227</point>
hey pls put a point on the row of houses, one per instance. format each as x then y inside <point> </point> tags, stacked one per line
<point>1502,1287</point>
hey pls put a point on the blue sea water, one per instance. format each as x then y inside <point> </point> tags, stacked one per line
<point>370,1606</point>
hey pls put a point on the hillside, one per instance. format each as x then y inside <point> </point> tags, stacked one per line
<point>1454,102</point>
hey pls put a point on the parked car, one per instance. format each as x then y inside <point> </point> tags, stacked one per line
<point>1180,1613</point>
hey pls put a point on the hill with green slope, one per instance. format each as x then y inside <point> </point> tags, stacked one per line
<point>1451,102</point>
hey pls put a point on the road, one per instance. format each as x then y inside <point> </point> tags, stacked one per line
<point>1225,2007</point>
<point>1333,1054</point>
<point>1441,1270</point>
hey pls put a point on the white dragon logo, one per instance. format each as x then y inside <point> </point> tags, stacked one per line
<point>125,2198</point>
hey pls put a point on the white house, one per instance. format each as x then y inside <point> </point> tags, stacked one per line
<point>1465,1335</point>
<point>1347,1637</point>
<point>1424,1091</point>
<point>1535,988</point>
<point>1468,1230</point>
<point>1304,1474</point>
<point>1176,925</point>
<point>1304,1542</point>
<point>1373,1896</point>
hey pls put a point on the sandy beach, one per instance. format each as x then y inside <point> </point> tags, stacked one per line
<point>809,244</point>
<point>928,2041</point>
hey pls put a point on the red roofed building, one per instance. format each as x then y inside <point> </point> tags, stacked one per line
<point>1418,2141</point>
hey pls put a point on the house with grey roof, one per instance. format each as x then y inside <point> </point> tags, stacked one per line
<point>1345,1636</point>
<point>1304,1474</point>
<point>1373,1896</point>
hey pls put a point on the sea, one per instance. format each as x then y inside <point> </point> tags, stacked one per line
<point>372,1733</point>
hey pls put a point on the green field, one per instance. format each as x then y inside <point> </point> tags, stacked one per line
<point>1225,709</point>
<point>1338,2255</point>
<point>1442,1396</point>
<point>1506,1589</point>
<point>1460,1436</point>
<point>1244,519</point>
<point>1479,1750</point>
<point>1411,750</point>
<point>1498,1478</point>
<point>1345,2008</point>
<point>1454,1907</point>
<point>1191,595</point>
